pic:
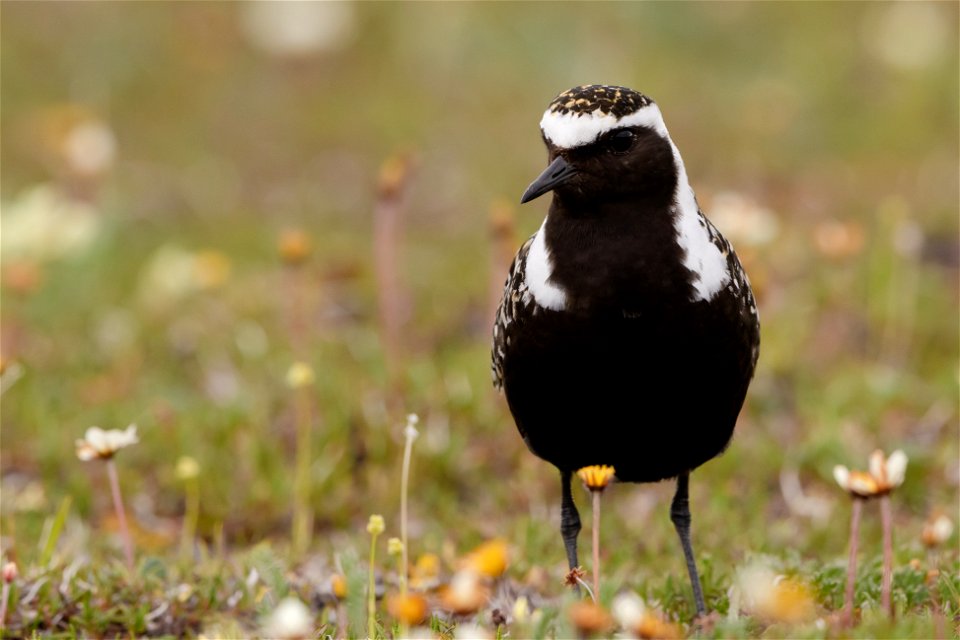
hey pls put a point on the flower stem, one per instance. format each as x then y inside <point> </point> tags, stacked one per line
<point>372,591</point>
<point>852,564</point>
<point>404,485</point>
<point>3,605</point>
<point>587,588</point>
<point>190,517</point>
<point>121,513</point>
<point>886,519</point>
<point>596,542</point>
<point>302,516</point>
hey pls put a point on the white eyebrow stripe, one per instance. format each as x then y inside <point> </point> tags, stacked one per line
<point>571,129</point>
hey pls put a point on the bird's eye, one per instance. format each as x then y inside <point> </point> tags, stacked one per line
<point>621,141</point>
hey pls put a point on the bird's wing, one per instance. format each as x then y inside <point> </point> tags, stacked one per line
<point>516,298</point>
<point>739,286</point>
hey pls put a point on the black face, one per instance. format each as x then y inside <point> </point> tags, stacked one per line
<point>629,162</point>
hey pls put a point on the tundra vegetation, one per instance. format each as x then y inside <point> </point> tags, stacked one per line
<point>249,242</point>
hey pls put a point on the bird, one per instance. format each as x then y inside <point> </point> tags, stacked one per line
<point>627,334</point>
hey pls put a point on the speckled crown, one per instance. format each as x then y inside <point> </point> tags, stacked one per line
<point>610,100</point>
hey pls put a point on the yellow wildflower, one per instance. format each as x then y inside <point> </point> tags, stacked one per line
<point>394,546</point>
<point>775,597</point>
<point>300,375</point>
<point>338,585</point>
<point>596,477</point>
<point>590,618</point>
<point>490,559</point>
<point>375,525</point>
<point>294,246</point>
<point>187,468</point>
<point>211,268</point>
<point>465,594</point>
<point>426,572</point>
<point>409,609</point>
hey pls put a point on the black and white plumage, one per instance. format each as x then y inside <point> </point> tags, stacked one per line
<point>628,333</point>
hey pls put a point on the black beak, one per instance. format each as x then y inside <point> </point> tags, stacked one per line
<point>553,176</point>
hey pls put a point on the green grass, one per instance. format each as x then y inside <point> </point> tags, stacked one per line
<point>221,146</point>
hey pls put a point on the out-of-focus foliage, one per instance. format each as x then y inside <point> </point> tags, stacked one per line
<point>155,154</point>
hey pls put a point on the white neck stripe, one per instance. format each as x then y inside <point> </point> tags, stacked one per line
<point>701,255</point>
<point>537,274</point>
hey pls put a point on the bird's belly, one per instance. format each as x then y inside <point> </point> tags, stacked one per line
<point>652,398</point>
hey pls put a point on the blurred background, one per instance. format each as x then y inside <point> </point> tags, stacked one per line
<point>196,195</point>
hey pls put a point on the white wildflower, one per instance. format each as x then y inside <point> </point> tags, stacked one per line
<point>291,619</point>
<point>103,444</point>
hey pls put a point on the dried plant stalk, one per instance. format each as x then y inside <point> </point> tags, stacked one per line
<point>852,564</point>
<point>121,512</point>
<point>503,245</point>
<point>596,542</point>
<point>302,513</point>
<point>887,578</point>
<point>391,188</point>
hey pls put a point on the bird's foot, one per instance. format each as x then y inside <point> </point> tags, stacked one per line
<point>704,623</point>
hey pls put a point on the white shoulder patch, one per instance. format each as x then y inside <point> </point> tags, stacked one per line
<point>700,254</point>
<point>538,271</point>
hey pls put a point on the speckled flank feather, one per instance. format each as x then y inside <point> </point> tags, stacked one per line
<point>738,286</point>
<point>516,299</point>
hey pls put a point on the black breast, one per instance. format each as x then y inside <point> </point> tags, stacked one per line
<point>632,372</point>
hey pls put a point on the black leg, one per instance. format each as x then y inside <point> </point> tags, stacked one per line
<point>680,515</point>
<point>569,520</point>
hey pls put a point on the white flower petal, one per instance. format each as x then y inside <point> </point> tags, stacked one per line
<point>85,452</point>
<point>896,468</point>
<point>521,610</point>
<point>842,475</point>
<point>96,438</point>
<point>117,439</point>
<point>291,619</point>
<point>470,632</point>
<point>756,582</point>
<point>628,609</point>
<point>130,435</point>
<point>864,484</point>
<point>98,443</point>
<point>942,529</point>
<point>410,431</point>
